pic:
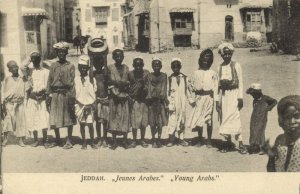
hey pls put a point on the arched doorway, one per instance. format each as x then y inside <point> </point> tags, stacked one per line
<point>229,31</point>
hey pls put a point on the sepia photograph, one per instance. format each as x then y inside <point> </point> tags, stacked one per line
<point>158,91</point>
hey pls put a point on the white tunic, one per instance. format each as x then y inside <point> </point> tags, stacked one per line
<point>202,112</point>
<point>37,116</point>
<point>230,121</point>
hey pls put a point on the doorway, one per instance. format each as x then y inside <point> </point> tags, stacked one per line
<point>229,31</point>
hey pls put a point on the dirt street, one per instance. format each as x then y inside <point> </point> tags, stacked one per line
<point>278,75</point>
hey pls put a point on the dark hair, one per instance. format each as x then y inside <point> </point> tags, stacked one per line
<point>172,64</point>
<point>284,103</point>
<point>136,59</point>
<point>117,50</point>
<point>202,55</point>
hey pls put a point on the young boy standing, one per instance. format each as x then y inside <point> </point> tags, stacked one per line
<point>14,89</point>
<point>158,100</point>
<point>177,95</point>
<point>118,103</point>
<point>138,92</point>
<point>98,60</point>
<point>262,104</point>
<point>85,98</point>
<point>37,118</point>
<point>61,91</point>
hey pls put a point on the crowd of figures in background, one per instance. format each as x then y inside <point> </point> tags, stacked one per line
<point>120,101</point>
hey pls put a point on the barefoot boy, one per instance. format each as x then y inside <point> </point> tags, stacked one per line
<point>14,89</point>
<point>85,99</point>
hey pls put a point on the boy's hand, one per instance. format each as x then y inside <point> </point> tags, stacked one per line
<point>240,103</point>
<point>193,104</point>
<point>48,103</point>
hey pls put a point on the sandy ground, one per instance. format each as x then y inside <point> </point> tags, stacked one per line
<point>278,75</point>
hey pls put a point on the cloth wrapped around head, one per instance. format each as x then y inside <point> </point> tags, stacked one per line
<point>254,87</point>
<point>176,59</point>
<point>156,59</point>
<point>225,45</point>
<point>84,60</point>
<point>11,64</point>
<point>35,54</point>
<point>61,46</point>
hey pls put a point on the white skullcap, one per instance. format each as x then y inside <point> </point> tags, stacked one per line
<point>176,59</point>
<point>156,59</point>
<point>255,86</point>
<point>84,60</point>
<point>225,45</point>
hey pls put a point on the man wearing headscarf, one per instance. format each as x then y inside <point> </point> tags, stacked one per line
<point>61,91</point>
<point>230,100</point>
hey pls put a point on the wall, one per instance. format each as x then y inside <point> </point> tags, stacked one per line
<point>88,27</point>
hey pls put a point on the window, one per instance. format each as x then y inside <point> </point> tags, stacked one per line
<point>182,21</point>
<point>3,29</point>
<point>115,14</point>
<point>101,15</point>
<point>253,20</point>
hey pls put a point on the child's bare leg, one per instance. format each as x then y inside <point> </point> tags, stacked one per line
<point>98,131</point>
<point>21,142</point>
<point>91,130</point>
<point>68,144</point>
<point>143,132</point>
<point>134,135</point>
<point>209,134</point>
<point>35,137</point>
<point>153,133</point>
<point>104,144</point>
<point>159,129</point>
<point>5,138</point>
<point>200,137</point>
<point>182,142</point>
<point>82,132</point>
<point>45,138</point>
<point>125,143</point>
<point>115,144</point>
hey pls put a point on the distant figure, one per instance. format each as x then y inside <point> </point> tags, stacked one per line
<point>285,155</point>
<point>261,105</point>
<point>76,43</point>
<point>79,42</point>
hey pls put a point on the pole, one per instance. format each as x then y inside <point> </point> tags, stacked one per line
<point>158,31</point>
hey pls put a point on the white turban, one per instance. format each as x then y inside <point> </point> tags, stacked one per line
<point>225,45</point>
<point>156,59</point>
<point>84,60</point>
<point>61,45</point>
<point>176,59</point>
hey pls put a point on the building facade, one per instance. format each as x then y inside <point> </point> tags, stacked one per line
<point>103,18</point>
<point>72,19</point>
<point>286,25</point>
<point>28,25</point>
<point>195,23</point>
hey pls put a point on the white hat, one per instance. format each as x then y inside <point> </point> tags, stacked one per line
<point>61,45</point>
<point>84,60</point>
<point>176,59</point>
<point>255,86</point>
<point>156,59</point>
<point>225,45</point>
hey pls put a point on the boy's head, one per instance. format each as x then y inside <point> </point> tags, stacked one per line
<point>138,64</point>
<point>206,59</point>
<point>13,68</point>
<point>156,64</point>
<point>83,65</point>
<point>118,56</point>
<point>35,58</point>
<point>98,61</point>
<point>61,49</point>
<point>255,90</point>
<point>226,50</point>
<point>176,65</point>
<point>289,115</point>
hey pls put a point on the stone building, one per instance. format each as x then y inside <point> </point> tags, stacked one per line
<point>72,19</point>
<point>27,25</point>
<point>286,25</point>
<point>196,23</point>
<point>103,18</point>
